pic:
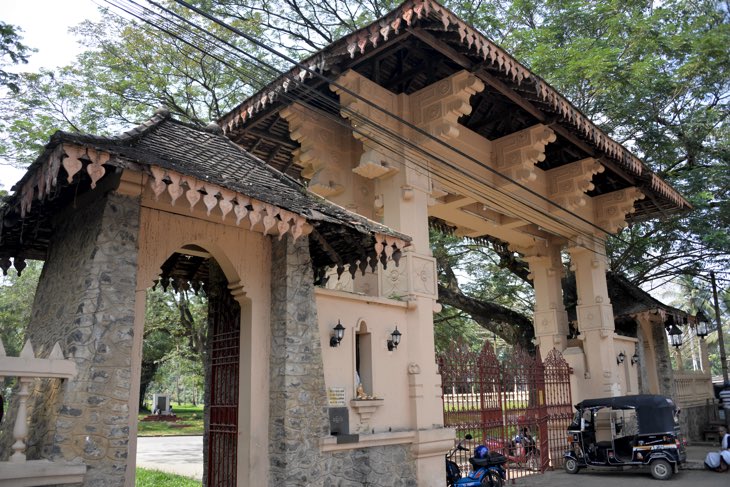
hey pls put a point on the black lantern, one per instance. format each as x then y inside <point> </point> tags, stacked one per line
<point>620,358</point>
<point>394,340</point>
<point>339,333</point>
<point>675,335</point>
<point>701,328</point>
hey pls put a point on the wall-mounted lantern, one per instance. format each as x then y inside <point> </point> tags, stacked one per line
<point>620,358</point>
<point>394,340</point>
<point>701,328</point>
<point>339,332</point>
<point>675,335</point>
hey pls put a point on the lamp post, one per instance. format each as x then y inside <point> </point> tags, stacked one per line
<point>720,338</point>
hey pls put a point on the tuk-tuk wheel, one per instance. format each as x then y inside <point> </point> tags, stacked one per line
<point>661,469</point>
<point>571,465</point>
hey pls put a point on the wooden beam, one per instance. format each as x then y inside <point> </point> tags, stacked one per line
<point>385,45</point>
<point>288,143</point>
<point>480,73</point>
<point>273,154</point>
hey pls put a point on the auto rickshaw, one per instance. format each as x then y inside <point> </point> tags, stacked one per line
<point>641,430</point>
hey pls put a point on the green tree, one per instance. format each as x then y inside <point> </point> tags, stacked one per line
<point>16,300</point>
<point>128,70</point>
<point>174,334</point>
<point>653,75</point>
<point>12,51</point>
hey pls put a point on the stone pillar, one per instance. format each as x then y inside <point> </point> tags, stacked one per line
<point>595,318</point>
<point>298,407</point>
<point>403,188</point>
<point>86,301</point>
<point>550,318</point>
<point>704,357</point>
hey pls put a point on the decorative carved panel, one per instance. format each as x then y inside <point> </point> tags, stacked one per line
<point>515,155</point>
<point>416,276</point>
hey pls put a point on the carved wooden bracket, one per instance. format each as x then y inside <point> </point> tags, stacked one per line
<point>610,209</point>
<point>515,155</point>
<point>568,185</point>
<point>437,107</point>
<point>323,146</point>
<point>376,161</point>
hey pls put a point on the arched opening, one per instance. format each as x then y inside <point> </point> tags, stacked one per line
<point>192,269</point>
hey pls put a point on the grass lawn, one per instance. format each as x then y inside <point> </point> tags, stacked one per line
<point>189,422</point>
<point>155,478</point>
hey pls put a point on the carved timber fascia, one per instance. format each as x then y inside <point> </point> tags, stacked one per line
<point>324,145</point>
<point>437,107</point>
<point>568,185</point>
<point>610,209</point>
<point>72,158</point>
<point>376,161</point>
<point>515,155</point>
<point>274,220</point>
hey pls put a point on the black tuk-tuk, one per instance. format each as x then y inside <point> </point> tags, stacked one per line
<point>640,430</point>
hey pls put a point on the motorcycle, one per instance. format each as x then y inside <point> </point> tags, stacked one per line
<point>487,470</point>
<point>453,472</point>
<point>523,451</point>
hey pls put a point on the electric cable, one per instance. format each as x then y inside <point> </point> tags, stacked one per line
<point>399,139</point>
<point>331,103</point>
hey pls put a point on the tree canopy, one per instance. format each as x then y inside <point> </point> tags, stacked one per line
<point>654,75</point>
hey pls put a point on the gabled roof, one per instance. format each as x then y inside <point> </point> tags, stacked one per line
<point>163,145</point>
<point>515,97</point>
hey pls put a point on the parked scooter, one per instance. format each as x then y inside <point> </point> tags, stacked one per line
<point>487,469</point>
<point>453,472</point>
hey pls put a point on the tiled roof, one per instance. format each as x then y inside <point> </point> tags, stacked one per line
<point>207,155</point>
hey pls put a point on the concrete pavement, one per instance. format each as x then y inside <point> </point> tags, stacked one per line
<point>182,455</point>
<point>693,474</point>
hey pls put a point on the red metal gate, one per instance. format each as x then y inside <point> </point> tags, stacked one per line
<point>223,406</point>
<point>519,406</point>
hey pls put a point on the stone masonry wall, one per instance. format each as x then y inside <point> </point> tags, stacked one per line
<point>377,466</point>
<point>85,301</point>
<point>298,411</point>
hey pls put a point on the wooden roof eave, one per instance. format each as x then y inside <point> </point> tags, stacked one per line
<point>566,119</point>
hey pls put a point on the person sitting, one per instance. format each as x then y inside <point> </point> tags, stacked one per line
<point>720,460</point>
<point>724,439</point>
<point>714,461</point>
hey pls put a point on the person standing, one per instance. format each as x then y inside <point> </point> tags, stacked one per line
<point>725,402</point>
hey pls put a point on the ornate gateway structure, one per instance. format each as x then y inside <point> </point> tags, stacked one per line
<point>304,213</point>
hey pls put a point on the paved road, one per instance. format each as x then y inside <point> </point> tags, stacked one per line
<point>182,455</point>
<point>634,478</point>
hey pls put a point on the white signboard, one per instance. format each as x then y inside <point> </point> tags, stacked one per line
<point>336,397</point>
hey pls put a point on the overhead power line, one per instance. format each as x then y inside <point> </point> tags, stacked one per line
<point>392,143</point>
<point>142,13</point>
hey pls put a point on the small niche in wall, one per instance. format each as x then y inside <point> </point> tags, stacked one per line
<point>363,358</point>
